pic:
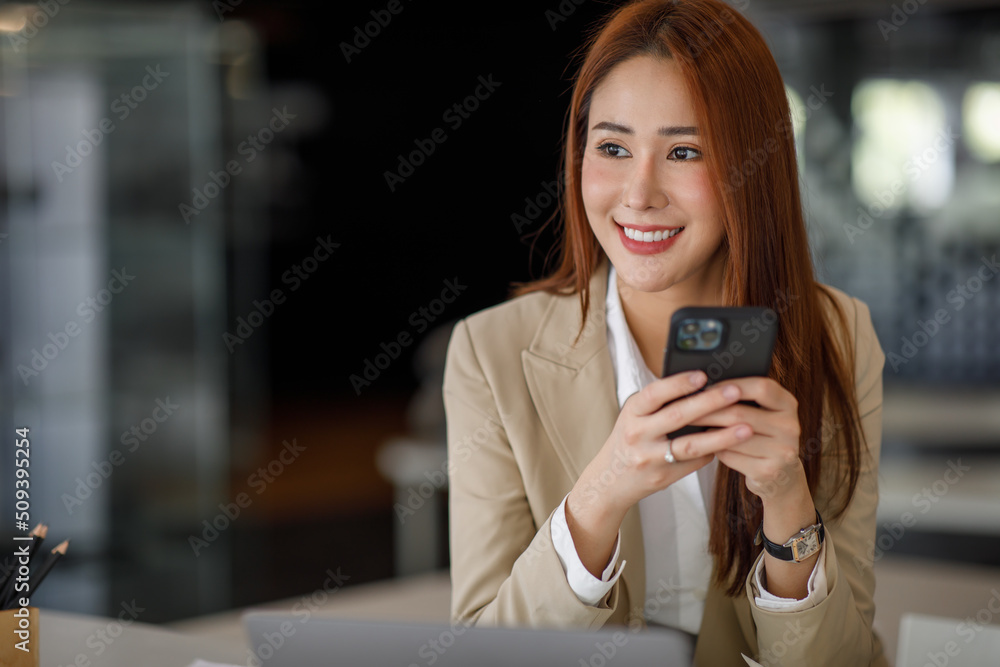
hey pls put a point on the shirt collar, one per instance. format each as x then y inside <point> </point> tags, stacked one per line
<point>631,372</point>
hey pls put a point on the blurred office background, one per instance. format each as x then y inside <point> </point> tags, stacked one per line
<point>224,292</point>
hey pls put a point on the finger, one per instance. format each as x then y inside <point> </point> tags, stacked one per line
<point>681,468</point>
<point>697,445</point>
<point>756,469</point>
<point>654,395</point>
<point>685,411</point>
<point>766,392</point>
<point>760,480</point>
<point>759,419</point>
<point>738,460</point>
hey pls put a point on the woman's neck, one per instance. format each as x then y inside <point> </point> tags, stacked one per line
<point>648,313</point>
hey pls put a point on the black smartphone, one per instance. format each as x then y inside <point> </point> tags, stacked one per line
<point>725,342</point>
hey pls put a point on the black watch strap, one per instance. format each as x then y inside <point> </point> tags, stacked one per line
<point>800,546</point>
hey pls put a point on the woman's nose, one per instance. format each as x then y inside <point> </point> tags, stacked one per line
<point>643,189</point>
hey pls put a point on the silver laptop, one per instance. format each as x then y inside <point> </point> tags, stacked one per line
<point>932,640</point>
<point>283,640</point>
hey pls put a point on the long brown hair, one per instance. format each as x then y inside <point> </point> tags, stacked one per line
<point>745,123</point>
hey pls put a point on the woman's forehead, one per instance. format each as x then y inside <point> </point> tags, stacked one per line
<point>643,92</point>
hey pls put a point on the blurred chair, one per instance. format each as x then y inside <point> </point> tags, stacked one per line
<point>932,640</point>
<point>416,464</point>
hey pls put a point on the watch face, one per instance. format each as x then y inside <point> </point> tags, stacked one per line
<point>806,545</point>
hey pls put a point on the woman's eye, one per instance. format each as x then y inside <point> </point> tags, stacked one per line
<point>684,153</point>
<point>613,150</point>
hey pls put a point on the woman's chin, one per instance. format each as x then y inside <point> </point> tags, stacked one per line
<point>642,279</point>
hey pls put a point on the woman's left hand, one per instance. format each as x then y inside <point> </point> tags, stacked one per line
<point>770,458</point>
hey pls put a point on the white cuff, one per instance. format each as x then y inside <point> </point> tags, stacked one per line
<point>816,588</point>
<point>587,587</point>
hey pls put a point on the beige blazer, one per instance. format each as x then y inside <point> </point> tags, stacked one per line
<point>527,412</point>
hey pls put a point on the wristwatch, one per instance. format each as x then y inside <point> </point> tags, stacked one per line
<point>799,547</point>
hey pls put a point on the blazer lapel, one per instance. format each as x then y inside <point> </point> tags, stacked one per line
<point>573,386</point>
<point>573,389</point>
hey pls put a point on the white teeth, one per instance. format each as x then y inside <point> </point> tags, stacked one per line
<point>650,237</point>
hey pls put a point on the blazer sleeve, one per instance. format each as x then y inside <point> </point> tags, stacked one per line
<point>838,631</point>
<point>504,568</point>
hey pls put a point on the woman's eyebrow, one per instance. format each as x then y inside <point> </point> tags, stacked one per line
<point>670,131</point>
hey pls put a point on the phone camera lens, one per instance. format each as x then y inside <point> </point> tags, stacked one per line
<point>687,343</point>
<point>690,327</point>
<point>710,337</point>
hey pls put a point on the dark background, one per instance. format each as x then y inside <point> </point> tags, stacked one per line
<point>453,219</point>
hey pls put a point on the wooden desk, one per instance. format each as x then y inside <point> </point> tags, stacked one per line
<point>902,585</point>
<point>79,640</point>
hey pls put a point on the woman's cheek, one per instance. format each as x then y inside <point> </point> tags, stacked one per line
<point>700,188</point>
<point>596,185</point>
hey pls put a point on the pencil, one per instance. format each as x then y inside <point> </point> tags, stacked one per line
<point>39,532</point>
<point>5,571</point>
<point>50,561</point>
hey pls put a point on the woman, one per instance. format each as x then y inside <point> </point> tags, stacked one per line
<point>568,504</point>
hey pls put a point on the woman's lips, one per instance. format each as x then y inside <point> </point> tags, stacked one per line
<point>648,247</point>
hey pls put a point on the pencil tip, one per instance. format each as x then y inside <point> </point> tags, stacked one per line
<point>61,549</point>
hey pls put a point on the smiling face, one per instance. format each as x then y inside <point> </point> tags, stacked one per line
<point>646,189</point>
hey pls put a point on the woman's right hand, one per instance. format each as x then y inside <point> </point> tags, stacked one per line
<point>631,464</point>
